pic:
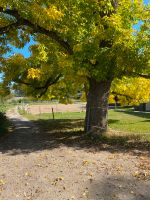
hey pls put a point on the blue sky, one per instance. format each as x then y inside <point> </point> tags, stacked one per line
<point>146,1</point>
<point>25,51</point>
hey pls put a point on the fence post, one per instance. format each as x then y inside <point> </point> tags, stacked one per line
<point>39,112</point>
<point>53,113</point>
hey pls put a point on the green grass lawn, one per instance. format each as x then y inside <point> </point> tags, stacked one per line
<point>128,122</point>
<point>58,115</point>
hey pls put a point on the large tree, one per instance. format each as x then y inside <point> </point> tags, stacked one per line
<point>96,38</point>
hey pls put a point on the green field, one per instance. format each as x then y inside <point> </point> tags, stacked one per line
<point>129,121</point>
<point>121,122</point>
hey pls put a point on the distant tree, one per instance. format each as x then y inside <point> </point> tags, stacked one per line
<point>4,91</point>
<point>131,91</point>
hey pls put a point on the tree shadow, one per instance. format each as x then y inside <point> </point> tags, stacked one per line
<point>113,121</point>
<point>136,113</point>
<point>119,187</point>
<point>148,120</point>
<point>31,136</point>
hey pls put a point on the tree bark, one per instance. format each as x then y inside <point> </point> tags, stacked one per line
<point>97,107</point>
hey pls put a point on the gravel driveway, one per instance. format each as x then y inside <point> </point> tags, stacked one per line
<point>36,166</point>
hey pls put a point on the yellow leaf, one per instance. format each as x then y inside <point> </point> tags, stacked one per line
<point>34,73</point>
<point>2,182</point>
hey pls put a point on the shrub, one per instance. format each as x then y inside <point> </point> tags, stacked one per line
<point>2,108</point>
<point>3,124</point>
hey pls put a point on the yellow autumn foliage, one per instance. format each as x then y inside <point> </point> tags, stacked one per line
<point>34,73</point>
<point>111,99</point>
<point>54,13</point>
<point>132,91</point>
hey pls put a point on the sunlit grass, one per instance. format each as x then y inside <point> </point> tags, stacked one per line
<point>129,121</point>
<point>121,123</point>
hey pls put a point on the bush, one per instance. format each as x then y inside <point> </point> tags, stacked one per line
<point>2,108</point>
<point>3,124</point>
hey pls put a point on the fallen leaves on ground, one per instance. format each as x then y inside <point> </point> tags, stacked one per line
<point>143,172</point>
<point>56,180</point>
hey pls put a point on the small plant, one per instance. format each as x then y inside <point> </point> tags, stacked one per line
<point>2,108</point>
<point>3,119</point>
<point>3,124</point>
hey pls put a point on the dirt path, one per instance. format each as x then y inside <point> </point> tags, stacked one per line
<point>34,166</point>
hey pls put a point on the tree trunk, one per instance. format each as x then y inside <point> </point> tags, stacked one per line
<point>97,107</point>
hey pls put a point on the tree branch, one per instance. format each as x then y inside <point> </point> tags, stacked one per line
<point>50,81</point>
<point>141,75</point>
<point>36,28</point>
<point>22,82</point>
<point>48,84</point>
<point>114,4</point>
<point>119,94</point>
<point>108,43</point>
<point>9,27</point>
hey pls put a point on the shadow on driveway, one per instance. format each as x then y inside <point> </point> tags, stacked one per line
<point>31,136</point>
<point>119,188</point>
